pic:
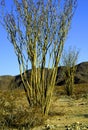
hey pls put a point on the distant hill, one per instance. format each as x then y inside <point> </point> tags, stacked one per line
<point>12,82</point>
<point>5,81</point>
<point>81,75</point>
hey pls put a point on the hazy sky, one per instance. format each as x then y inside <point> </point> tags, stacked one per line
<point>78,38</point>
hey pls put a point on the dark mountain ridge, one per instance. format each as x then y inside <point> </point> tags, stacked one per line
<point>12,82</point>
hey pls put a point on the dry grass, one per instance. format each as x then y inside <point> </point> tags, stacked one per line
<point>16,114</point>
<point>79,90</point>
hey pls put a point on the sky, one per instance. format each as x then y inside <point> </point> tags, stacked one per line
<point>77,37</point>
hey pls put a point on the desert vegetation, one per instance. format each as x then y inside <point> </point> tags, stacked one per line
<point>15,113</point>
<point>69,60</point>
<point>37,31</point>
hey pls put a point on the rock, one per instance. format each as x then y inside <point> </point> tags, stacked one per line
<point>76,126</point>
<point>49,127</point>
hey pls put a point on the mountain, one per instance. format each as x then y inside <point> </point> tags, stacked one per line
<point>81,75</point>
<point>5,81</point>
<point>12,82</point>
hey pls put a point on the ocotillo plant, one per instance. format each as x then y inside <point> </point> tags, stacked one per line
<point>37,30</point>
<point>69,60</point>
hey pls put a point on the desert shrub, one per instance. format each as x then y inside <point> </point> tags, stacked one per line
<point>69,60</point>
<point>23,119</point>
<point>12,115</point>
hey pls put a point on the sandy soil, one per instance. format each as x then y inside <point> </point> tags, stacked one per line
<point>66,111</point>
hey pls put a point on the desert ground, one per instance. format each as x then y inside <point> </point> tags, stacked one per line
<point>66,112</point>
